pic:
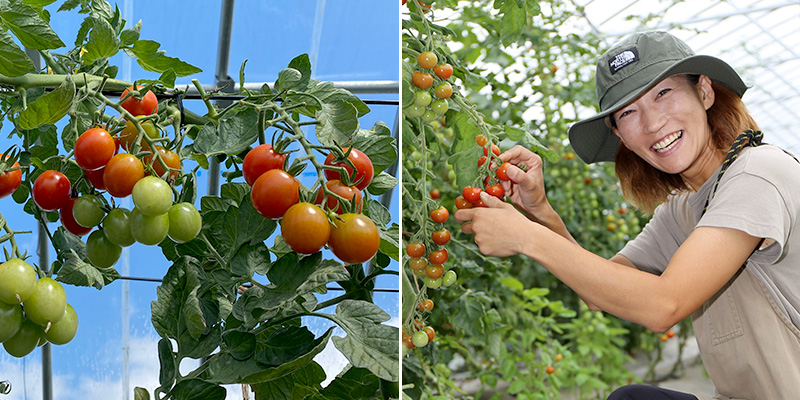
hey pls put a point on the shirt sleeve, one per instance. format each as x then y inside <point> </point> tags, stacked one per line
<point>651,250</point>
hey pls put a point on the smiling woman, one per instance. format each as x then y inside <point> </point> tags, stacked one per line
<point>674,123</point>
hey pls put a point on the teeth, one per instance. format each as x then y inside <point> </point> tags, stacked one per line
<point>667,143</point>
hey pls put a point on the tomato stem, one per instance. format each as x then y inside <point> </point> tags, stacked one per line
<point>212,111</point>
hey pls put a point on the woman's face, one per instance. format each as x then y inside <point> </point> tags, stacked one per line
<point>667,126</point>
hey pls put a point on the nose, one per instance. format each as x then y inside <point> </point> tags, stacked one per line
<point>652,120</point>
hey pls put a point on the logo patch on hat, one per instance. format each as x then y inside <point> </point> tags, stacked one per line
<point>623,59</point>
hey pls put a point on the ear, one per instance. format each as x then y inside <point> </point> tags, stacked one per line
<point>706,91</point>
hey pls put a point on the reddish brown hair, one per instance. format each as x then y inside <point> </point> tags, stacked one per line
<point>645,186</point>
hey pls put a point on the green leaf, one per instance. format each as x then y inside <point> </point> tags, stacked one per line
<point>177,309</point>
<point>378,144</point>
<point>513,22</point>
<point>130,36</point>
<point>390,241</point>
<point>249,259</point>
<point>75,271</point>
<point>223,368</point>
<point>240,345</point>
<point>298,385</point>
<point>352,384</point>
<point>337,122</point>
<point>369,344</point>
<point>166,357</point>
<point>13,60</point>
<point>50,107</point>
<point>236,131</point>
<point>198,389</point>
<point>236,227</point>
<point>512,283</point>
<point>140,393</point>
<point>302,64</point>
<point>378,213</point>
<point>326,93</point>
<point>465,164</point>
<point>382,183</point>
<point>288,78</point>
<point>408,296</point>
<point>151,59</point>
<point>31,30</point>
<point>102,41</point>
<point>235,191</point>
<point>516,386</point>
<point>469,316</point>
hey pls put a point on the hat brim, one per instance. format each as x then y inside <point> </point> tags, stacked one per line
<point>593,141</point>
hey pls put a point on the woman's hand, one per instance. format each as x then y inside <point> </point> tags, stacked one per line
<point>526,188</point>
<point>499,228</point>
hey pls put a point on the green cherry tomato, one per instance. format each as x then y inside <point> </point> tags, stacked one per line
<point>10,320</point>
<point>64,330</point>
<point>149,229</point>
<point>439,106</point>
<point>449,278</point>
<point>420,339</point>
<point>429,116</point>
<point>117,226</point>
<point>414,111</point>
<point>101,251</point>
<point>422,98</point>
<point>88,211</point>
<point>47,303</point>
<point>184,222</point>
<point>432,283</point>
<point>17,278</point>
<point>26,339</point>
<point>152,196</point>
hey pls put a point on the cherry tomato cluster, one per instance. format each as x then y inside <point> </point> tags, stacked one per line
<point>9,180</point>
<point>430,104</point>
<point>667,336</point>
<point>32,311</point>
<point>470,195</point>
<point>154,216</point>
<point>421,336</point>
<point>305,227</point>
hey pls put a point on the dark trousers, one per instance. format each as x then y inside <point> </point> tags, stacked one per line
<point>645,392</point>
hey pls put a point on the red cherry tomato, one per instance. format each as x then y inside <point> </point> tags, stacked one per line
<point>443,71</point>
<point>354,238</point>
<point>364,169</point>
<point>481,140</point>
<point>146,106</point>
<point>441,237</point>
<point>440,215</point>
<point>438,256</point>
<point>471,194</point>
<point>495,150</point>
<point>496,190</point>
<point>305,228</point>
<point>422,80</point>
<point>10,181</point>
<point>121,173</point>
<point>259,160</point>
<point>95,177</point>
<point>348,192</point>
<point>434,271</point>
<point>274,192</point>
<point>502,172</point>
<point>462,203</point>
<point>94,148</point>
<point>435,194</point>
<point>482,160</point>
<point>68,219</point>
<point>427,59</point>
<point>51,190</point>
<point>430,332</point>
<point>415,250</point>
<point>171,158</point>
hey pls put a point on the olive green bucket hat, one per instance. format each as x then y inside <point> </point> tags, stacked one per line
<point>629,69</point>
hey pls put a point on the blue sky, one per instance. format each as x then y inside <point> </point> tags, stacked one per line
<point>346,41</point>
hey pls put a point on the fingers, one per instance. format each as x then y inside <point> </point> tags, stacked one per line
<point>519,155</point>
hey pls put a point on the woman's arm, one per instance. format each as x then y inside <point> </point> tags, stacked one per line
<point>700,267</point>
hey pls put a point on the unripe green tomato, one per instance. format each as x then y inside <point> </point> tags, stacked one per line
<point>414,111</point>
<point>449,278</point>
<point>47,303</point>
<point>100,251</point>
<point>420,339</point>
<point>433,283</point>
<point>152,196</point>
<point>420,273</point>
<point>147,229</point>
<point>422,98</point>
<point>26,339</point>
<point>184,222</point>
<point>17,278</point>
<point>88,211</point>
<point>117,226</point>
<point>440,106</point>
<point>64,330</point>
<point>10,320</point>
<point>452,176</point>
<point>429,116</point>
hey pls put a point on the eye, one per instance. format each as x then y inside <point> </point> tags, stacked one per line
<point>624,113</point>
<point>663,92</point>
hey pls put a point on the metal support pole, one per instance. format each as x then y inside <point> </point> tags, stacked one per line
<point>43,249</point>
<point>222,78</point>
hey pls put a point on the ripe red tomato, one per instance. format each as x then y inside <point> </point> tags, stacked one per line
<point>435,194</point>
<point>415,250</point>
<point>443,71</point>
<point>670,334</point>
<point>471,194</point>
<point>94,148</point>
<point>481,140</point>
<point>427,59</point>
<point>550,369</point>
<point>121,174</point>
<point>430,332</point>
<point>68,219</point>
<point>51,190</point>
<point>274,192</point>
<point>440,215</point>
<point>259,160</point>
<point>305,228</point>
<point>502,172</point>
<point>418,264</point>
<point>9,181</point>
<point>171,158</point>
<point>444,90</point>
<point>482,160</point>
<point>95,177</point>
<point>348,192</point>
<point>422,80</point>
<point>434,271</point>
<point>495,150</point>
<point>146,106</point>
<point>438,256</point>
<point>462,203</point>
<point>427,305</point>
<point>496,190</point>
<point>354,238</point>
<point>441,237</point>
<point>364,169</point>
<point>407,341</point>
